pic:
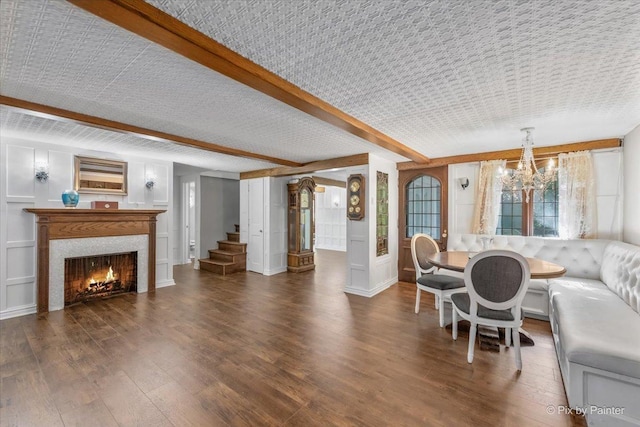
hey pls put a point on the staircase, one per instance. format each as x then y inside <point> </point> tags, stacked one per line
<point>230,257</point>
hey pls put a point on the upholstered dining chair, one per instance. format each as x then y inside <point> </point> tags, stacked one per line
<point>496,282</point>
<point>441,285</point>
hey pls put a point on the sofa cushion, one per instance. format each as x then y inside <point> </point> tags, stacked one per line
<point>581,257</point>
<point>596,327</point>
<point>621,272</point>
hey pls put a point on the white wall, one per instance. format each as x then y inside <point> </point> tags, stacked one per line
<point>609,192</point>
<point>359,242</point>
<point>461,201</point>
<point>384,268</point>
<point>19,190</point>
<point>331,219</point>
<point>367,273</point>
<point>631,225</point>
<point>608,170</point>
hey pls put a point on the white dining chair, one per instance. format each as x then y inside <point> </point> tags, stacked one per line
<point>496,283</point>
<point>440,285</point>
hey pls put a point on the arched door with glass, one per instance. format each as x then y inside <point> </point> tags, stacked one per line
<point>423,209</point>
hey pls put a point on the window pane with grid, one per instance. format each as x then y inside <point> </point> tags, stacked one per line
<point>510,219</point>
<point>545,211</point>
<point>423,197</point>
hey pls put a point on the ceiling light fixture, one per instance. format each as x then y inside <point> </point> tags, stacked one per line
<point>526,176</point>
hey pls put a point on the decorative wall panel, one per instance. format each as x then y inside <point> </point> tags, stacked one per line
<point>20,177</point>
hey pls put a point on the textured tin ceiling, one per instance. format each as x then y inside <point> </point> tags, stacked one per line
<point>442,77</point>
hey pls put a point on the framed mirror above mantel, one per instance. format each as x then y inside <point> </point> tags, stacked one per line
<point>100,176</point>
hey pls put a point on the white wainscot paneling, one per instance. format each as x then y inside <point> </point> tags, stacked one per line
<point>20,294</point>
<point>21,261</point>
<point>463,218</point>
<point>608,170</point>
<point>20,224</point>
<point>162,247</point>
<point>162,273</point>
<point>383,270</point>
<point>20,172</point>
<point>608,217</point>
<point>61,170</point>
<point>135,183</point>
<point>359,280</point>
<point>161,188</point>
<point>162,225</point>
<point>359,252</point>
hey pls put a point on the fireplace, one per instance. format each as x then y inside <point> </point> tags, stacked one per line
<point>98,276</point>
<point>72,233</point>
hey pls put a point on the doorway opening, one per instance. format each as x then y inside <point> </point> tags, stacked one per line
<point>189,221</point>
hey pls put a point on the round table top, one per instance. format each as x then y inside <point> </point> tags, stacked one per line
<point>457,261</point>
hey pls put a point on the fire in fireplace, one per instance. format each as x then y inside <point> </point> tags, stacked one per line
<point>99,276</point>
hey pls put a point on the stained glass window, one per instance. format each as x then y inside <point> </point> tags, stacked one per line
<point>382,213</point>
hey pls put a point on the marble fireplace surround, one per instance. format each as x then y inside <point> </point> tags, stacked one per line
<point>65,233</point>
<point>72,248</point>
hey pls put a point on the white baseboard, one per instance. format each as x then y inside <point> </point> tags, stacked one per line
<point>165,283</point>
<point>18,311</point>
<point>371,292</point>
<point>275,271</point>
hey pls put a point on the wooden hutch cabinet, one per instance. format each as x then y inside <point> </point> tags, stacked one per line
<point>301,225</point>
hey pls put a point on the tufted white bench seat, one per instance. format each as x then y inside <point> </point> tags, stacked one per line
<point>594,314</point>
<point>582,259</point>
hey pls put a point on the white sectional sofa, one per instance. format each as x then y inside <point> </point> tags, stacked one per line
<point>594,312</point>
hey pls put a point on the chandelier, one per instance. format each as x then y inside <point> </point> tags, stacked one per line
<point>526,176</point>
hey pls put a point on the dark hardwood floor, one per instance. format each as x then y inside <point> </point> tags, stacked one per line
<point>245,349</point>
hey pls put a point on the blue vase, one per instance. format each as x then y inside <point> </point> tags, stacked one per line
<point>70,198</point>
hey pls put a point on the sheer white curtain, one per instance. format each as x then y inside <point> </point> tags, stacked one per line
<point>489,193</point>
<point>576,196</point>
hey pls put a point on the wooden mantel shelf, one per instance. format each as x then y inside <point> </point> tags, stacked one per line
<point>54,224</point>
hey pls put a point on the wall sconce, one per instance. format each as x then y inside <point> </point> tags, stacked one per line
<point>336,202</point>
<point>41,171</point>
<point>150,181</point>
<point>464,182</point>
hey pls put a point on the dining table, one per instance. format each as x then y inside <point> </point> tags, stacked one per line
<point>457,261</point>
<point>539,269</point>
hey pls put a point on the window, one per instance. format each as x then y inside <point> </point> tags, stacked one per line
<point>423,198</point>
<point>537,218</point>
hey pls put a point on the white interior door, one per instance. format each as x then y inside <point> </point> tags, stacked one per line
<point>255,246</point>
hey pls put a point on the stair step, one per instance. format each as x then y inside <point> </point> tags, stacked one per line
<point>228,256</point>
<point>233,236</point>
<point>228,245</point>
<point>221,267</point>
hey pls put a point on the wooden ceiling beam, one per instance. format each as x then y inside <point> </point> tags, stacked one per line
<point>514,154</point>
<point>98,122</point>
<point>161,28</point>
<point>340,162</point>
<point>320,180</point>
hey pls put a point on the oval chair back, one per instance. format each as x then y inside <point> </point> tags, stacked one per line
<point>498,280</point>
<point>496,283</point>
<point>422,245</point>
